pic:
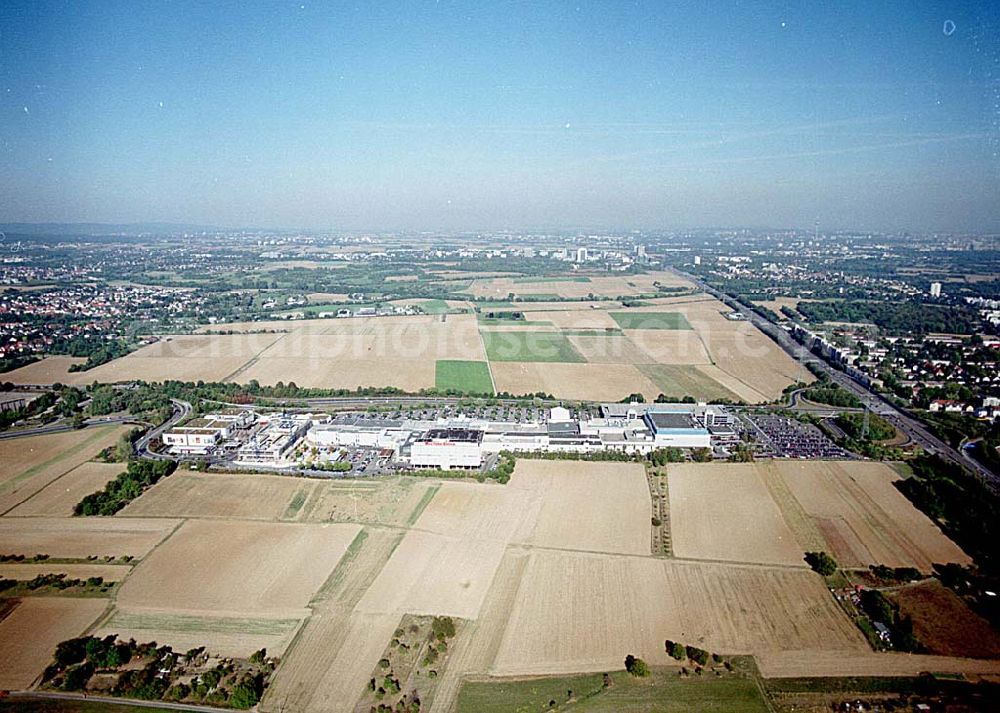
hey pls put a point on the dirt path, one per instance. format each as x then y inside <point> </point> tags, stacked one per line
<point>478,644</point>
<point>324,668</point>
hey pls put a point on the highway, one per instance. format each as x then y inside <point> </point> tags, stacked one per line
<point>902,420</point>
<point>60,427</point>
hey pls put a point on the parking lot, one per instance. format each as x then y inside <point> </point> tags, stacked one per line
<point>784,437</point>
<point>517,414</point>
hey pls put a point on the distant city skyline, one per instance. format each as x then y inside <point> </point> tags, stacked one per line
<point>460,115</point>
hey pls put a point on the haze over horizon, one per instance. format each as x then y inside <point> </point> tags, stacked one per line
<point>454,115</point>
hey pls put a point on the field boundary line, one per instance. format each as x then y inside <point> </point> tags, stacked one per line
<point>489,362</point>
<point>253,360</point>
<point>350,554</point>
<point>429,492</point>
<point>799,521</point>
<point>35,469</point>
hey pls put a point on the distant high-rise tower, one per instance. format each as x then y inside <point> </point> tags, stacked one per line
<point>935,289</point>
<point>697,259</point>
<point>581,254</point>
<point>640,250</point>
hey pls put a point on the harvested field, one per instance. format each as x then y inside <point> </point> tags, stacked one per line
<point>446,564</point>
<point>134,366</point>
<point>383,502</point>
<point>319,297</point>
<point>325,664</point>
<point>477,644</point>
<point>30,463</point>
<point>862,516</point>
<point>566,318</point>
<point>275,497</point>
<point>724,511</point>
<point>420,337</point>
<point>610,349</point>
<point>223,636</point>
<point>406,374</point>
<point>473,511</point>
<point>47,371</point>
<point>79,538</point>
<point>211,565</point>
<point>666,346</point>
<point>575,287</point>
<point>232,497</point>
<point>60,496</point>
<point>678,381</point>
<point>577,612</point>
<point>778,302</point>
<point>944,624</point>
<point>216,346</point>
<point>26,571</point>
<point>599,507</point>
<point>434,574</point>
<point>29,634</point>
<point>599,382</point>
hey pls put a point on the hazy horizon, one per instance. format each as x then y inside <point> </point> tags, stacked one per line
<point>453,116</point>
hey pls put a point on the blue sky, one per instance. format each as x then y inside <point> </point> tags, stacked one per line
<point>477,115</point>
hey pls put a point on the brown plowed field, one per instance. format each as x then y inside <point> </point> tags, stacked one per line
<point>944,624</point>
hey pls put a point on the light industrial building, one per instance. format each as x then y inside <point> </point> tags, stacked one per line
<point>448,448</point>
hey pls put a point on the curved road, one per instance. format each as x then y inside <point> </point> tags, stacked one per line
<point>182,409</point>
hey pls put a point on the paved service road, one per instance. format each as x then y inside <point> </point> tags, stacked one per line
<point>132,702</point>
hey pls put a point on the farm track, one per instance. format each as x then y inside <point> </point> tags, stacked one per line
<point>477,646</point>
<point>798,520</point>
<point>310,675</point>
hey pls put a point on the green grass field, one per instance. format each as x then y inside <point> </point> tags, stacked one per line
<point>651,320</point>
<point>433,306</point>
<point>550,279</point>
<point>530,346</point>
<point>470,377</point>
<point>663,692</point>
<point>678,381</point>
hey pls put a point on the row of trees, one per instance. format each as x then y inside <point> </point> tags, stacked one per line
<point>681,652</point>
<point>138,475</point>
